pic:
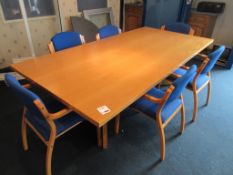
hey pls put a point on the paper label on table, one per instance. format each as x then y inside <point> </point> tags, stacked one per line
<point>103,110</point>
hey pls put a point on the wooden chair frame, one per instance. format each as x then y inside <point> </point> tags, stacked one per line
<point>191,31</point>
<point>98,35</point>
<point>158,119</point>
<point>194,83</point>
<point>52,49</point>
<point>49,117</point>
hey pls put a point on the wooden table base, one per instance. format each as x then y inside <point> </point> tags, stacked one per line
<point>102,135</point>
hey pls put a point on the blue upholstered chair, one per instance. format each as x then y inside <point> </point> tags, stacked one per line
<point>202,77</point>
<point>48,120</point>
<point>65,40</point>
<point>107,31</point>
<point>164,105</point>
<point>179,28</point>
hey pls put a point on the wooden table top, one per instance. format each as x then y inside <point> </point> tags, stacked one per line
<point>114,72</point>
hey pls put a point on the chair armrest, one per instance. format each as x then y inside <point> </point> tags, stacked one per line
<point>162,27</point>
<point>185,67</point>
<point>60,113</point>
<point>203,65</point>
<point>82,39</point>
<point>27,86</point>
<point>199,70</point>
<point>173,75</point>
<point>202,56</point>
<point>51,116</point>
<point>51,47</point>
<point>152,99</point>
<point>97,37</point>
<point>192,31</point>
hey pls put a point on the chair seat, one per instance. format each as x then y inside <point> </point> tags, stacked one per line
<point>150,108</point>
<point>201,80</point>
<point>62,124</point>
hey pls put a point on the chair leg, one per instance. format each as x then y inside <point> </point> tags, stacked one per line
<point>182,122</point>
<point>162,142</point>
<point>49,156</point>
<point>208,93</point>
<point>24,134</point>
<point>162,145</point>
<point>195,105</point>
<point>99,137</point>
<point>117,125</point>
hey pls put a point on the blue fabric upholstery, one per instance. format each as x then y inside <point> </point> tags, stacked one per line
<point>62,124</point>
<point>201,79</point>
<point>180,71</point>
<point>173,101</point>
<point>34,116</point>
<point>213,56</point>
<point>150,108</point>
<point>182,82</point>
<point>66,40</point>
<point>108,31</point>
<point>178,27</point>
<point>26,96</point>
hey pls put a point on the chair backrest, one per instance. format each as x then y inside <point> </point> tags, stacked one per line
<point>66,40</point>
<point>26,96</point>
<point>179,28</point>
<point>108,30</point>
<point>213,56</point>
<point>181,83</point>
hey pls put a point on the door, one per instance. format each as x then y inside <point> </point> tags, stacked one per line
<point>160,12</point>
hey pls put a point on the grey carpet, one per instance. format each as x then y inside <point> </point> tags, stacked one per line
<point>205,148</point>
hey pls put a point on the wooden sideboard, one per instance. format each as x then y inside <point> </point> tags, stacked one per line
<point>202,23</point>
<point>133,16</point>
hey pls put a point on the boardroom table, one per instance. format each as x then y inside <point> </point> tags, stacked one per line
<point>113,72</point>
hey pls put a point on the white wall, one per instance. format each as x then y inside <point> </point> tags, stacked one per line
<point>223,31</point>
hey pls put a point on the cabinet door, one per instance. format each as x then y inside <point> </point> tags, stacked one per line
<point>199,31</point>
<point>133,21</point>
<point>133,17</point>
<point>203,24</point>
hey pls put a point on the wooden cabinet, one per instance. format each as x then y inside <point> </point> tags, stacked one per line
<point>202,23</point>
<point>133,16</point>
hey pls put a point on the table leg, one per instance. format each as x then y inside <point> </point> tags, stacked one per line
<point>99,137</point>
<point>117,124</point>
<point>105,136</point>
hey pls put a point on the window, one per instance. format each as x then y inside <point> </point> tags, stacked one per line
<point>34,8</point>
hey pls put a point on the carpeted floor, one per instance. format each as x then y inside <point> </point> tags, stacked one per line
<point>205,148</point>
